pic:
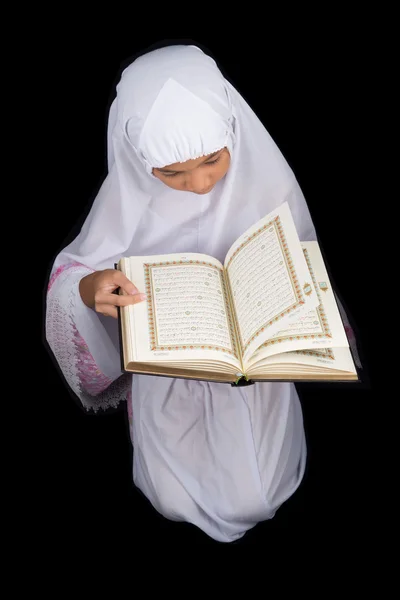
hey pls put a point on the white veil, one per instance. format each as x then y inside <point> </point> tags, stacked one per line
<point>174,104</point>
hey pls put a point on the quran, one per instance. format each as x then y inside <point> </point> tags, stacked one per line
<point>267,313</point>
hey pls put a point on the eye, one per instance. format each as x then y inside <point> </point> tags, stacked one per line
<point>213,162</point>
<point>206,164</point>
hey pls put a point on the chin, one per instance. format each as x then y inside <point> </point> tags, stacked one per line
<point>207,191</point>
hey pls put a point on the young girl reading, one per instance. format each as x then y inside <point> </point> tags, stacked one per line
<point>190,168</point>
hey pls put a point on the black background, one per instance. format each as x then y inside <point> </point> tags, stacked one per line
<point>309,95</point>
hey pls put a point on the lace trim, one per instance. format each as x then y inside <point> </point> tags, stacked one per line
<point>63,268</point>
<point>197,155</point>
<point>94,389</point>
<point>92,379</point>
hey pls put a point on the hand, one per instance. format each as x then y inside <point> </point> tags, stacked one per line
<point>97,289</point>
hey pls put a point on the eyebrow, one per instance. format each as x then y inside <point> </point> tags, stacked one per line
<point>209,157</point>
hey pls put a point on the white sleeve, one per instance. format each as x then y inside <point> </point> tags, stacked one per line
<point>84,345</point>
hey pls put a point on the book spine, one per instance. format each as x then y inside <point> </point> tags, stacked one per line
<point>242,381</point>
<point>121,347</point>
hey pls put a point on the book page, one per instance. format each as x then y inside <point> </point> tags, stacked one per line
<point>185,315</point>
<point>333,359</point>
<point>269,279</point>
<point>320,327</point>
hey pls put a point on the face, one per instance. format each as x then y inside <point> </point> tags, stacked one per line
<point>199,175</point>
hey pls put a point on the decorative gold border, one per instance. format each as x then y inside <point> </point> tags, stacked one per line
<point>276,223</point>
<point>320,313</point>
<point>151,311</point>
<point>323,352</point>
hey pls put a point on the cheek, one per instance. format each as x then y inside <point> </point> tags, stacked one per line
<point>223,168</point>
<point>174,184</point>
<point>170,182</point>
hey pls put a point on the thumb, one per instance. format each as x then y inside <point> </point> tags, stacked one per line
<point>126,285</point>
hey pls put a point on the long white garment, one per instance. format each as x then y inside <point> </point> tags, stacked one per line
<point>222,458</point>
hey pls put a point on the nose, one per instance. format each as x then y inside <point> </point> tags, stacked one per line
<point>198,182</point>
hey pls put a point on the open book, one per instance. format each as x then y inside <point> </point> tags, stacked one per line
<point>268,313</point>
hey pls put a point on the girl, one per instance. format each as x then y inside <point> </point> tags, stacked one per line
<point>190,168</point>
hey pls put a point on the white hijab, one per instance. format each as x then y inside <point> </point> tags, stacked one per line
<point>172,105</point>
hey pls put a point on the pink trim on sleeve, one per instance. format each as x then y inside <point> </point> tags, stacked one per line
<point>92,380</point>
<point>61,269</point>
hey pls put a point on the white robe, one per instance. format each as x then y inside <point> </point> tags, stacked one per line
<point>219,457</point>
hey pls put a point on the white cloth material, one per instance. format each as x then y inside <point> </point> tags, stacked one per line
<point>222,459</point>
<point>219,457</point>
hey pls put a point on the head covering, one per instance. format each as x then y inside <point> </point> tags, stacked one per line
<point>173,104</point>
